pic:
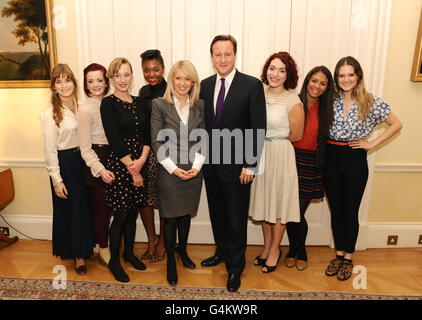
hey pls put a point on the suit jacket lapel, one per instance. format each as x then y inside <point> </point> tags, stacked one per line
<point>173,113</point>
<point>231,95</point>
<point>193,118</point>
<point>210,93</point>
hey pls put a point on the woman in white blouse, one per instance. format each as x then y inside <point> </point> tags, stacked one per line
<point>95,150</point>
<point>176,116</point>
<point>356,114</point>
<point>73,234</point>
<point>275,192</point>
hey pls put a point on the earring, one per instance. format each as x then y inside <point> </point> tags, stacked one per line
<point>56,93</point>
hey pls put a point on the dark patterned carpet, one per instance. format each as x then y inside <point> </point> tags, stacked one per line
<point>42,289</point>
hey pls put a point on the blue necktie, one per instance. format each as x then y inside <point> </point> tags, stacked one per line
<point>220,100</point>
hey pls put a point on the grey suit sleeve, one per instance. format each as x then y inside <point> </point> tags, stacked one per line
<point>157,124</point>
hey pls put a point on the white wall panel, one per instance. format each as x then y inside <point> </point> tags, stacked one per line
<point>178,30</point>
<point>237,30</point>
<point>257,35</point>
<point>201,36</point>
<point>163,17</point>
<point>280,22</point>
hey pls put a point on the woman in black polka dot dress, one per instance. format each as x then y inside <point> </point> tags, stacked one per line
<point>126,124</point>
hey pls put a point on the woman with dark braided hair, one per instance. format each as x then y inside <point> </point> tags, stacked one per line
<point>317,96</point>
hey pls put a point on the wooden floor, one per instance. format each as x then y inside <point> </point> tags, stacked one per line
<point>389,271</point>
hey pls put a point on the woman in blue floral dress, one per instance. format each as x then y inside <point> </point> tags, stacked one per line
<point>356,114</point>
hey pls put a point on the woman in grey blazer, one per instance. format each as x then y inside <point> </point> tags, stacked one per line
<point>177,118</point>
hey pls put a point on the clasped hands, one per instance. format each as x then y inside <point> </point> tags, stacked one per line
<point>134,168</point>
<point>185,175</point>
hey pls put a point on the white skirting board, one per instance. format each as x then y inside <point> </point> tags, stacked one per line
<point>408,234</point>
<point>371,235</point>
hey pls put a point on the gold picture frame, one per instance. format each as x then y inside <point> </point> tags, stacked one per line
<point>417,59</point>
<point>28,69</point>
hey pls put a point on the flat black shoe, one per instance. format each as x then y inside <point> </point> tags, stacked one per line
<point>171,272</point>
<point>211,261</point>
<point>136,263</point>
<point>261,262</point>
<point>81,270</point>
<point>233,283</point>
<point>187,262</point>
<point>118,273</point>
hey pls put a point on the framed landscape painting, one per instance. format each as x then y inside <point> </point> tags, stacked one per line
<point>27,43</point>
<point>417,59</point>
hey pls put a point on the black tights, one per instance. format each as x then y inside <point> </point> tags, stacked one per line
<point>182,225</point>
<point>124,223</point>
<point>297,232</point>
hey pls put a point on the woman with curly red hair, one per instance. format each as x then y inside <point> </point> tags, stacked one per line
<point>274,192</point>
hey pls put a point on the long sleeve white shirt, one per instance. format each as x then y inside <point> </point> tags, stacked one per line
<point>58,138</point>
<point>91,131</point>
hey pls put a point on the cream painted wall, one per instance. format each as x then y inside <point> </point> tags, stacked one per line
<point>20,132</point>
<point>395,196</point>
<point>403,95</point>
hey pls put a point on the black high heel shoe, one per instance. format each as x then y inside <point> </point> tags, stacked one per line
<point>187,262</point>
<point>118,272</point>
<point>136,263</point>
<point>272,268</point>
<point>171,271</point>
<point>261,262</point>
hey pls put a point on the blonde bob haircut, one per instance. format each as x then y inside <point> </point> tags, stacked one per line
<point>115,66</point>
<point>189,69</point>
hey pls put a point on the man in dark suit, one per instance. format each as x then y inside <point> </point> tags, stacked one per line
<point>234,105</point>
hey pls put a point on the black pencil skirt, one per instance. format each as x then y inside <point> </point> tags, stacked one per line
<point>73,230</point>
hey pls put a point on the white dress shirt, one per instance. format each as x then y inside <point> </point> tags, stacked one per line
<point>199,160</point>
<point>227,84</point>
<point>58,138</point>
<point>91,131</point>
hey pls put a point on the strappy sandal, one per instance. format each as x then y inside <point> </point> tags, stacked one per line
<point>146,256</point>
<point>150,256</point>
<point>158,259</point>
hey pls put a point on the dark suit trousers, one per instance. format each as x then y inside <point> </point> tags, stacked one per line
<point>228,204</point>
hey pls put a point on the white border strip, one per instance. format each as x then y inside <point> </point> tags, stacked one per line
<point>377,233</point>
<point>30,163</point>
<point>408,234</point>
<point>398,167</point>
<point>380,167</point>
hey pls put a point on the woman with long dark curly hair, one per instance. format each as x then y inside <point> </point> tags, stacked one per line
<point>274,193</point>
<point>317,95</point>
